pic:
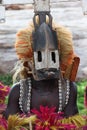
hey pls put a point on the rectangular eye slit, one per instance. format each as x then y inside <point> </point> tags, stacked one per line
<point>53,57</point>
<point>39,56</point>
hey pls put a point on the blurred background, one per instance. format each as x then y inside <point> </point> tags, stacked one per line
<point>68,13</point>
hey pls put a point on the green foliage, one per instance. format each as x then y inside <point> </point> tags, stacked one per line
<point>80,97</point>
<point>6,79</point>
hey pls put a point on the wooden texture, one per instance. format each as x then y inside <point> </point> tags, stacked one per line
<point>39,4</point>
<point>74,68</point>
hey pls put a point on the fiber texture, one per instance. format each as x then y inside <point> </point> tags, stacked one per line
<point>24,50</point>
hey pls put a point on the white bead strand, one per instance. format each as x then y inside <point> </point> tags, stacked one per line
<point>29,95</point>
<point>60,95</point>
<point>67,92</point>
<point>21,95</point>
<point>28,100</point>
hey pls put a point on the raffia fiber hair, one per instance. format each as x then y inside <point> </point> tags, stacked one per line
<point>24,50</point>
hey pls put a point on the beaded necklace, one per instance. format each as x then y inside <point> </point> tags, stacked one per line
<point>25,95</point>
<point>67,92</point>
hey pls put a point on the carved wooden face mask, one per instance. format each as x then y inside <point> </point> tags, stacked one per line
<point>46,57</point>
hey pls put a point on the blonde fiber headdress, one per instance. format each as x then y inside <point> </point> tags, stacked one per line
<point>24,50</point>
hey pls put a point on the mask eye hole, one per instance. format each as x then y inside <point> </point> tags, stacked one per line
<point>53,57</point>
<point>39,56</point>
